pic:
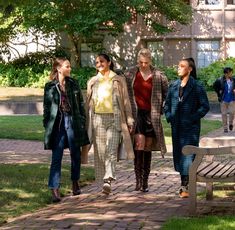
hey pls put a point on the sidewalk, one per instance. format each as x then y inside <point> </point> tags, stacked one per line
<point>123,209</point>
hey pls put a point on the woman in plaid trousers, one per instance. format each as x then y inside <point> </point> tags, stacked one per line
<point>110,119</point>
<point>147,89</point>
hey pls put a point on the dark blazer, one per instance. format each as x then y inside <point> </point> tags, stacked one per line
<point>184,116</point>
<point>219,87</point>
<point>51,111</point>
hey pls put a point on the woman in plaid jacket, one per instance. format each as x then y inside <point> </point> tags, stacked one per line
<point>147,89</point>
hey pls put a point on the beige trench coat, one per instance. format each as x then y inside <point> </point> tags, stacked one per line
<point>120,88</point>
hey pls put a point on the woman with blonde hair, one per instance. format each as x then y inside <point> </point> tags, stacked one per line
<point>147,89</point>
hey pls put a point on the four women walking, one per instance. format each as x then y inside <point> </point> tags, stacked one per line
<point>119,110</point>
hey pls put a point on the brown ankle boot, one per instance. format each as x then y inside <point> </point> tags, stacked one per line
<point>138,161</point>
<point>55,195</point>
<point>76,188</point>
<point>146,171</point>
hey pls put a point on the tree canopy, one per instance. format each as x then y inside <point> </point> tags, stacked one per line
<point>82,19</point>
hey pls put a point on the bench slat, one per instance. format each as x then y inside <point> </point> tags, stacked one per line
<point>226,174</point>
<point>232,173</point>
<point>203,165</point>
<point>206,170</point>
<point>216,171</point>
<point>222,171</point>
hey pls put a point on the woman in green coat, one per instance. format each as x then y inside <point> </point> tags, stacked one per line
<point>64,121</point>
<point>186,103</point>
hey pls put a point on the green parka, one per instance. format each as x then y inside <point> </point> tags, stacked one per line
<point>51,111</point>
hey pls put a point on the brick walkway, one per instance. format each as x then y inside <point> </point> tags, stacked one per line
<point>123,209</point>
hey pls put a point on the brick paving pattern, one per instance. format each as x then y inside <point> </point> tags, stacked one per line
<point>123,209</point>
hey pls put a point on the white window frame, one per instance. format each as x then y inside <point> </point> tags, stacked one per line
<point>208,51</point>
<point>231,3</point>
<point>213,2</point>
<point>88,55</point>
<point>202,4</point>
<point>157,51</point>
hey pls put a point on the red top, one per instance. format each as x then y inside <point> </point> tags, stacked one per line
<point>143,91</point>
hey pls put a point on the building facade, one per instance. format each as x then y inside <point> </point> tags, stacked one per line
<point>209,37</point>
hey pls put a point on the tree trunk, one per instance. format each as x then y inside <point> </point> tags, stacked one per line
<point>75,50</point>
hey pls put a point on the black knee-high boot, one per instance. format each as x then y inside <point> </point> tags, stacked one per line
<point>138,162</point>
<point>146,169</point>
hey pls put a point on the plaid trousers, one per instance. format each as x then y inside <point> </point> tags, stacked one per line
<point>106,138</point>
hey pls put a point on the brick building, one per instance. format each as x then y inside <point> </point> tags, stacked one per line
<point>210,36</point>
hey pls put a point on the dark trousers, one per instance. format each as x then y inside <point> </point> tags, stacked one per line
<point>64,135</point>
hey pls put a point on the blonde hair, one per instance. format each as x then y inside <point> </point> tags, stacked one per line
<point>145,53</point>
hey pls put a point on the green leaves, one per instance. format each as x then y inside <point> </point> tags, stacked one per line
<point>209,74</point>
<point>84,19</point>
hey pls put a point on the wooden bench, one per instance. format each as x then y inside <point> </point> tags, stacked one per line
<point>207,170</point>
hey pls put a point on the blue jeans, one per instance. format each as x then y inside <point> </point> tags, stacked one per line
<point>64,134</point>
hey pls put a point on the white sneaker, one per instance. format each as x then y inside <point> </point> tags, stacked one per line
<point>107,187</point>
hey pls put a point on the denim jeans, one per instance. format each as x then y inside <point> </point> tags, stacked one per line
<point>64,134</point>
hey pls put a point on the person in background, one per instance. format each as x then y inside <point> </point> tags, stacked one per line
<point>225,89</point>
<point>110,119</point>
<point>147,88</point>
<point>64,121</point>
<point>185,105</point>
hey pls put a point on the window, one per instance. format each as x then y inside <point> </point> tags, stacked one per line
<point>207,52</point>
<point>230,2</point>
<point>212,2</point>
<point>89,52</point>
<point>156,49</point>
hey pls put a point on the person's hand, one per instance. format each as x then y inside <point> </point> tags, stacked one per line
<point>131,129</point>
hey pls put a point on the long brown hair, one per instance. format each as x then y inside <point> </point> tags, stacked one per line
<point>56,63</point>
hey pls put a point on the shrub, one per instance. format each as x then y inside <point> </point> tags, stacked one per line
<point>83,75</point>
<point>38,60</point>
<point>170,72</point>
<point>215,70</point>
<point>33,70</point>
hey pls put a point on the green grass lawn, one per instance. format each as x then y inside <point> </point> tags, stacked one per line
<point>26,127</point>
<point>29,127</point>
<point>201,223</point>
<point>206,127</point>
<point>23,187</point>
